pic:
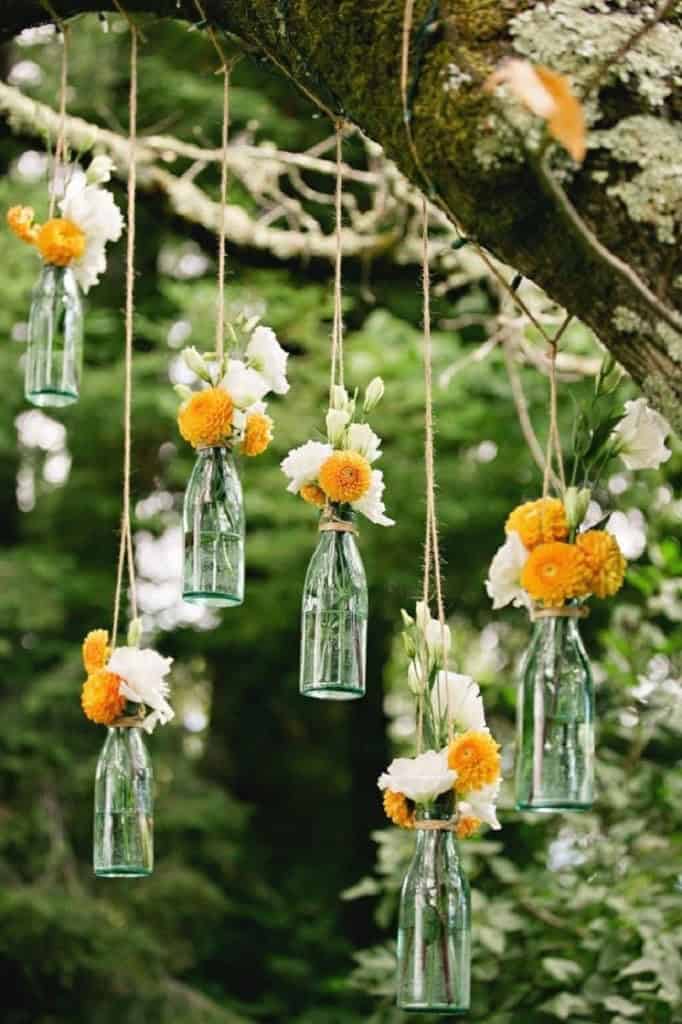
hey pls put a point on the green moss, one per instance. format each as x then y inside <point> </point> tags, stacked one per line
<point>663,397</point>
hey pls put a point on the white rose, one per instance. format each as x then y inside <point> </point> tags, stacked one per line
<point>265,354</point>
<point>94,211</point>
<point>640,436</point>
<point>244,385</point>
<point>371,504</point>
<point>143,681</point>
<point>458,698</point>
<point>481,803</point>
<point>504,576</point>
<point>361,438</point>
<point>337,421</point>
<point>630,533</point>
<point>302,465</point>
<point>421,778</point>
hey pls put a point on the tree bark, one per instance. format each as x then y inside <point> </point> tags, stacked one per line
<point>347,54</point>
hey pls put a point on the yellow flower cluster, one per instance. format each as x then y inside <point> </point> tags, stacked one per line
<point>258,433</point>
<point>475,756</point>
<point>345,477</point>
<point>101,699</point>
<point>59,241</point>
<point>539,522</point>
<point>205,419</point>
<point>399,809</point>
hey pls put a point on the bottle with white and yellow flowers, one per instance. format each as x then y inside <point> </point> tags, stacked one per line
<point>337,477</point>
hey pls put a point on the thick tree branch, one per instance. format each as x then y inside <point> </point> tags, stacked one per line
<point>348,56</point>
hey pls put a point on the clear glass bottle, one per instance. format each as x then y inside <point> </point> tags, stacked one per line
<point>334,618</point>
<point>555,721</point>
<point>124,807</point>
<point>55,339</point>
<point>214,525</point>
<point>434,927</point>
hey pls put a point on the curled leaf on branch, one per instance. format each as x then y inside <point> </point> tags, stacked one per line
<point>548,95</point>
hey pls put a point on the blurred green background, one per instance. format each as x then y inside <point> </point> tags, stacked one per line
<point>276,884</point>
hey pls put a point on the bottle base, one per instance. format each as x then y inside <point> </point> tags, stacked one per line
<point>212,599</point>
<point>442,1008</point>
<point>552,806</point>
<point>330,691</point>
<point>51,398</point>
<point>123,872</point>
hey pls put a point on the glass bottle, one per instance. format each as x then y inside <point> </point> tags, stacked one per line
<point>124,807</point>
<point>334,617</point>
<point>555,721</point>
<point>434,926</point>
<point>55,339</point>
<point>214,525</point>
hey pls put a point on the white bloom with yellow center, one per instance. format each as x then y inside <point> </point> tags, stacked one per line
<point>94,211</point>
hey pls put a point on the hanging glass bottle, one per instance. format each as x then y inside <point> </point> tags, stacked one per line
<point>55,339</point>
<point>124,807</point>
<point>555,721</point>
<point>214,531</point>
<point>434,927</point>
<point>334,615</point>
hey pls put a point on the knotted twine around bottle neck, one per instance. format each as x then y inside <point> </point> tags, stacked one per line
<point>125,551</point>
<point>436,825</point>
<point>568,612</point>
<point>130,721</point>
<point>330,522</point>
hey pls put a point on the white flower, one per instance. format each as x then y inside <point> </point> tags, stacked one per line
<point>337,421</point>
<point>374,392</point>
<point>371,504</point>
<point>265,354</point>
<point>629,532</point>
<point>94,211</point>
<point>421,778</point>
<point>244,385</point>
<point>458,698</point>
<point>100,169</point>
<point>196,363</point>
<point>593,517</point>
<point>481,803</point>
<point>302,465</point>
<point>641,435</point>
<point>143,681</point>
<point>504,576</point>
<point>361,438</point>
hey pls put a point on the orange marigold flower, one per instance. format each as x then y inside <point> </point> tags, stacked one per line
<point>100,699</point>
<point>605,562</point>
<point>314,495</point>
<point>60,242</point>
<point>539,522</point>
<point>258,433</point>
<point>554,573</point>
<point>467,826</point>
<point>399,809</point>
<point>96,650</point>
<point>345,476</point>
<point>20,220</point>
<point>475,756</point>
<point>206,418</point>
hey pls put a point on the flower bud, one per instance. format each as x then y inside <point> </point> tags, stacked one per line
<point>100,170</point>
<point>196,363</point>
<point>339,398</point>
<point>135,633</point>
<point>409,645</point>
<point>337,421</point>
<point>414,679</point>
<point>407,619</point>
<point>576,501</point>
<point>183,392</point>
<point>423,616</point>
<point>373,394</point>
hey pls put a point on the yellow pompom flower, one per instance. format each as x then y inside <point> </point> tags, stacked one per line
<point>101,700</point>
<point>20,220</point>
<point>554,573</point>
<point>96,650</point>
<point>345,477</point>
<point>467,826</point>
<point>60,242</point>
<point>475,756</point>
<point>539,522</point>
<point>399,809</point>
<point>205,419</point>
<point>314,495</point>
<point>605,562</point>
<point>258,433</point>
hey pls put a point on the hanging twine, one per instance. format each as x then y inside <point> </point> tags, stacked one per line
<point>130,721</point>
<point>60,144</point>
<point>125,551</point>
<point>553,437</point>
<point>580,611</point>
<point>336,373</point>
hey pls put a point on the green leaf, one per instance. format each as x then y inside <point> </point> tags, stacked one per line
<point>624,1006</point>
<point>640,966</point>
<point>562,970</point>
<point>491,938</point>
<point>565,1005</point>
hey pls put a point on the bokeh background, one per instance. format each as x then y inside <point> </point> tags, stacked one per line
<point>276,884</point>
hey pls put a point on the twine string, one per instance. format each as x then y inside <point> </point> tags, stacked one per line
<point>436,825</point>
<point>336,373</point>
<point>336,526</point>
<point>580,611</point>
<point>125,551</point>
<point>60,144</point>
